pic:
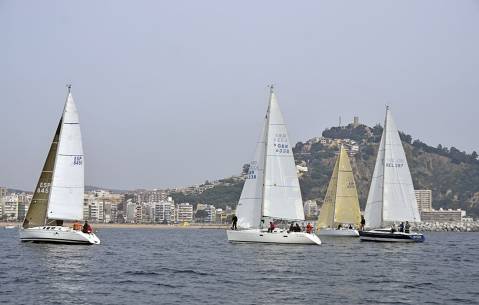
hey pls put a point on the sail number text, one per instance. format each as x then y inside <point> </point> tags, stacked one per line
<point>77,160</point>
<point>43,187</point>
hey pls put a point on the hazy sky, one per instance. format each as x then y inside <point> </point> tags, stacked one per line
<point>171,93</point>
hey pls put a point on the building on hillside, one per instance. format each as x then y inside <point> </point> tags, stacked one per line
<point>355,121</point>
<point>311,209</point>
<point>443,215</point>
<point>3,192</point>
<point>424,200</point>
<point>220,216</point>
<point>184,212</point>
<point>211,210</point>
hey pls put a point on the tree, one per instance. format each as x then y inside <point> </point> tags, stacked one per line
<point>201,215</point>
<point>405,137</point>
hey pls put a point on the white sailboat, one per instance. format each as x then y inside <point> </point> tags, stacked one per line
<point>60,188</point>
<point>391,197</point>
<point>341,205</point>
<point>271,190</point>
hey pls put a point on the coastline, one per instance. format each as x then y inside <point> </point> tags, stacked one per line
<point>138,225</point>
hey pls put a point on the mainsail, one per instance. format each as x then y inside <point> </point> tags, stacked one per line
<point>391,195</point>
<point>341,204</point>
<point>59,191</point>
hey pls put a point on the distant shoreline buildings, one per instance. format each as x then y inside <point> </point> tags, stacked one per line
<point>156,206</point>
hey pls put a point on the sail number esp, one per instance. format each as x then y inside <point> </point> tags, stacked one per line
<point>77,160</point>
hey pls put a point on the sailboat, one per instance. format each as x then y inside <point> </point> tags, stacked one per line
<point>391,197</point>
<point>341,205</point>
<point>60,188</point>
<point>271,191</point>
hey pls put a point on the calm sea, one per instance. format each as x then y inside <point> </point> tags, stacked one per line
<point>178,266</point>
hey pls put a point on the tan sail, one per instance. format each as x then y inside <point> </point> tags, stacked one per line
<point>341,203</point>
<point>326,217</point>
<point>37,211</point>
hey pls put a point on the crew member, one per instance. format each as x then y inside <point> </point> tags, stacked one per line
<point>309,228</point>
<point>87,228</point>
<point>363,222</point>
<point>407,227</point>
<point>234,220</point>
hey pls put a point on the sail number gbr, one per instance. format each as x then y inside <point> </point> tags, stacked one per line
<point>77,160</point>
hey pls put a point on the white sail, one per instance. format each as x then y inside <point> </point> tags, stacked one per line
<point>374,205</point>
<point>66,193</point>
<point>248,210</point>
<point>392,190</point>
<point>282,195</point>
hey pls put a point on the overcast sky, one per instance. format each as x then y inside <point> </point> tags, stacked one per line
<point>171,93</point>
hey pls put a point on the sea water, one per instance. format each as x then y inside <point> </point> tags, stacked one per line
<point>199,266</point>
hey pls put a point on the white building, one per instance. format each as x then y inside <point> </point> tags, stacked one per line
<point>424,200</point>
<point>130,211</point>
<point>10,207</point>
<point>211,210</point>
<point>165,212</point>
<point>311,209</point>
<point>184,212</point>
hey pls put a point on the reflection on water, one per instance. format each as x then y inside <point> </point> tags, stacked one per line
<point>136,266</point>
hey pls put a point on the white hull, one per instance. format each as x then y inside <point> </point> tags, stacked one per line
<point>57,234</point>
<point>277,237</point>
<point>338,233</point>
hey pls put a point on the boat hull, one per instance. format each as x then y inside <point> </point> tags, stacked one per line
<point>386,236</point>
<point>276,237</point>
<point>58,234</point>
<point>338,233</point>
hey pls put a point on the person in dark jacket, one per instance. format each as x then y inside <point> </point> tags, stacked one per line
<point>291,228</point>
<point>363,222</point>
<point>401,227</point>
<point>234,222</point>
<point>87,228</point>
<point>407,227</point>
<point>297,228</point>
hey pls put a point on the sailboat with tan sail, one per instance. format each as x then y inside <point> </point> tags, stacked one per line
<point>340,214</point>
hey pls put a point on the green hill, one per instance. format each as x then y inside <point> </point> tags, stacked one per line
<point>452,175</point>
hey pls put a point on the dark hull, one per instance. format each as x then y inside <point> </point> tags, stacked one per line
<point>54,241</point>
<point>387,236</point>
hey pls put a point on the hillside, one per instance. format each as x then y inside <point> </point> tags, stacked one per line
<point>452,175</point>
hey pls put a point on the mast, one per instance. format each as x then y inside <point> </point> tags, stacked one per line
<point>384,164</point>
<point>271,92</point>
